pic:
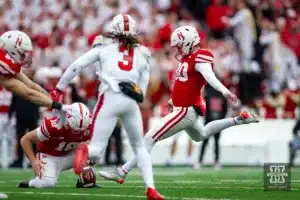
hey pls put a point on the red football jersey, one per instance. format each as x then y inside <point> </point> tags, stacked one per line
<point>59,142</point>
<point>8,67</point>
<point>189,82</point>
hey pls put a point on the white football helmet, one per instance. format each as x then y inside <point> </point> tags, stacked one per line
<point>18,45</point>
<point>77,117</point>
<point>185,38</point>
<point>123,24</point>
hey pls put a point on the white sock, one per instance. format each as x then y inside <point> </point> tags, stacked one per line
<point>217,126</point>
<point>129,165</point>
<point>145,165</point>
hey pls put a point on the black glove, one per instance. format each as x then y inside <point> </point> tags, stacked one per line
<point>132,90</point>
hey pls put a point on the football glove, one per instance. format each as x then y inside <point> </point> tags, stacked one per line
<point>132,90</point>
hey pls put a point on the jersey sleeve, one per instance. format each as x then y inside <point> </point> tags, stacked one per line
<point>75,68</point>
<point>98,41</point>
<point>48,128</point>
<point>7,66</point>
<point>145,74</point>
<point>204,56</point>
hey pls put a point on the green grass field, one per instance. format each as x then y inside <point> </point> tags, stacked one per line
<point>174,183</point>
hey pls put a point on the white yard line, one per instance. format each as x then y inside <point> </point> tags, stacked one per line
<point>106,195</point>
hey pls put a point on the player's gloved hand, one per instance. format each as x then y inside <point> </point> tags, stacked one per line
<point>132,90</point>
<point>230,96</point>
<point>38,167</point>
<point>56,95</point>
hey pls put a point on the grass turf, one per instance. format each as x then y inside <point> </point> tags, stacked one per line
<point>174,183</point>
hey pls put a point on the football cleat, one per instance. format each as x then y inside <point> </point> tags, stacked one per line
<point>81,158</point>
<point>114,175</point>
<point>152,194</point>
<point>3,196</point>
<point>24,184</point>
<point>246,118</point>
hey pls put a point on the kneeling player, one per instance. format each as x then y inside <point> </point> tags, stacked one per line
<point>56,140</point>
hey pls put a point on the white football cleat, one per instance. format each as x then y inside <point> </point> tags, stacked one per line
<point>115,175</point>
<point>246,118</point>
<point>3,196</point>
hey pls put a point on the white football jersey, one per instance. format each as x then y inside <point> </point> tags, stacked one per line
<point>116,64</point>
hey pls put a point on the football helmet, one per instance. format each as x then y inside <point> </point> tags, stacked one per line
<point>77,117</point>
<point>18,45</point>
<point>123,24</point>
<point>185,38</point>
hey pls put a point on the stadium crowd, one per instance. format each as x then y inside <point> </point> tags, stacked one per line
<point>256,45</point>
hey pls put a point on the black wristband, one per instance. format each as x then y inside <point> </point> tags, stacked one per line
<point>56,105</point>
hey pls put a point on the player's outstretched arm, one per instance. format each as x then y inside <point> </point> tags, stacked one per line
<point>206,70</point>
<point>19,88</point>
<point>74,69</point>
<point>26,142</point>
<point>22,77</point>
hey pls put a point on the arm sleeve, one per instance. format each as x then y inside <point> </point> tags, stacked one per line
<point>238,18</point>
<point>74,69</point>
<point>206,70</point>
<point>144,80</point>
<point>145,74</point>
<point>40,135</point>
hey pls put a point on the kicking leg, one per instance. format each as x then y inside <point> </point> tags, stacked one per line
<point>178,120</point>
<point>200,132</point>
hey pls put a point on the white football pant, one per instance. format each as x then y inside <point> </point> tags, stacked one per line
<point>54,165</point>
<point>110,107</point>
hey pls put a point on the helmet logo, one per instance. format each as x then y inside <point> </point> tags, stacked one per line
<point>19,41</point>
<point>180,36</point>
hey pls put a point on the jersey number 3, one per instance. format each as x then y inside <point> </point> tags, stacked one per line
<point>182,72</point>
<point>126,62</point>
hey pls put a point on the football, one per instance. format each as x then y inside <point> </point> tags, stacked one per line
<point>88,177</point>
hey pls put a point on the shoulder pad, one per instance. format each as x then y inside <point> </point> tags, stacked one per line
<point>204,56</point>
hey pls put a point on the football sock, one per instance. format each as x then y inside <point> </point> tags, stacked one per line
<point>127,167</point>
<point>217,126</point>
<point>145,165</point>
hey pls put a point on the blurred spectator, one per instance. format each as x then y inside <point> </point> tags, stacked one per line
<point>214,14</point>
<point>5,101</point>
<point>271,103</point>
<point>292,100</point>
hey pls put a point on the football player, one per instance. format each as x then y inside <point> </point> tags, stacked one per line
<point>124,74</point>
<point>15,53</point>
<point>194,72</point>
<point>57,139</point>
